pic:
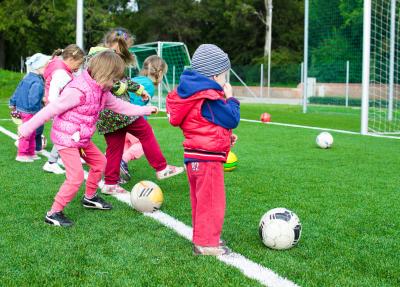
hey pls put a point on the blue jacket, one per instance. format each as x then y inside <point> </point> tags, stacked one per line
<point>148,86</point>
<point>28,96</point>
<point>223,113</point>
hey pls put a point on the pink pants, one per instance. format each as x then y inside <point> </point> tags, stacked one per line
<point>115,148</point>
<point>132,149</point>
<point>71,158</point>
<point>26,145</point>
<point>207,194</point>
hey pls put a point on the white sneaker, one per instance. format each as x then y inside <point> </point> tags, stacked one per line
<point>112,189</point>
<point>53,168</point>
<point>24,158</point>
<point>35,157</point>
<point>60,162</point>
<point>169,171</point>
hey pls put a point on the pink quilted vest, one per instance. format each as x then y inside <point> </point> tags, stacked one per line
<point>55,64</point>
<point>75,127</point>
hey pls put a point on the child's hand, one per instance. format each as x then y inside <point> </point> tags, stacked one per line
<point>154,110</point>
<point>228,90</point>
<point>234,139</point>
<point>145,95</point>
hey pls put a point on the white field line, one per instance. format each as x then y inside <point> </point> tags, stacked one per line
<point>310,128</point>
<point>249,268</point>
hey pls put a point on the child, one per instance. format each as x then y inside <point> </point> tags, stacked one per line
<point>57,75</point>
<point>151,75</point>
<point>115,126</point>
<point>27,101</point>
<point>204,108</point>
<point>75,114</point>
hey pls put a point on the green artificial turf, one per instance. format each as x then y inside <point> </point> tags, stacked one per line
<point>346,198</point>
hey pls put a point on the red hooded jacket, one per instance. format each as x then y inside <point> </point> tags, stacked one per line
<point>204,140</point>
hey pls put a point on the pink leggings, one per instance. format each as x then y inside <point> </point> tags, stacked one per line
<point>207,195</point>
<point>71,158</point>
<point>26,145</point>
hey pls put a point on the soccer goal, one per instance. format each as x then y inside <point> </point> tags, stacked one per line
<point>177,57</point>
<point>381,51</point>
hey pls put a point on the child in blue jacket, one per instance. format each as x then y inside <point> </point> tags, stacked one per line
<point>27,101</point>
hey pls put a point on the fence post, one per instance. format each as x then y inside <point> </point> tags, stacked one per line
<point>262,81</point>
<point>347,82</point>
<point>305,65</point>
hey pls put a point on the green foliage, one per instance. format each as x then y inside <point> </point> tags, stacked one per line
<point>8,83</point>
<point>335,36</point>
<point>46,25</point>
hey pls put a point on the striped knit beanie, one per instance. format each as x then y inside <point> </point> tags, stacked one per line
<point>209,60</point>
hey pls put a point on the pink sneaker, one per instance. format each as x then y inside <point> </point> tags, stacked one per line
<point>169,171</point>
<point>112,189</point>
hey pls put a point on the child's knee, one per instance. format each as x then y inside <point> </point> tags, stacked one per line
<point>77,179</point>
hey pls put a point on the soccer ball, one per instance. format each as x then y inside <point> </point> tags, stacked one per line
<point>280,228</point>
<point>265,117</point>
<point>231,162</point>
<point>324,140</point>
<point>146,196</point>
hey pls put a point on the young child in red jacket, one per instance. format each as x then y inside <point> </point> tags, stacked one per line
<point>204,108</point>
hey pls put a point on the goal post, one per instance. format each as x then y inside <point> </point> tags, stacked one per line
<point>380,112</point>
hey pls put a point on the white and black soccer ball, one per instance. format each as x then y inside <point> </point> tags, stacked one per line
<point>324,140</point>
<point>280,228</point>
<point>146,196</point>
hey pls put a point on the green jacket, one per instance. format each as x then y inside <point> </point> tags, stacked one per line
<point>110,121</point>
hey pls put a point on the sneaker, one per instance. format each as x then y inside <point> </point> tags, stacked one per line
<point>24,158</point>
<point>112,189</point>
<point>35,157</point>
<point>58,219</point>
<point>211,251</point>
<point>96,203</point>
<point>124,172</point>
<point>169,171</point>
<point>53,167</point>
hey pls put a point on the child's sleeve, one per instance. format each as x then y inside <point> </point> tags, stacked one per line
<point>223,113</point>
<point>13,100</point>
<point>68,99</point>
<point>59,80</point>
<point>134,87</point>
<point>35,94</point>
<point>121,107</point>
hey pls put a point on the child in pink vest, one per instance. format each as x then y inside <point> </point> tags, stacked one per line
<point>75,115</point>
<point>57,75</point>
<point>115,126</point>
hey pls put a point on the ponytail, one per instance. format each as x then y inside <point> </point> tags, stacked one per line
<point>124,40</point>
<point>71,51</point>
<point>57,52</point>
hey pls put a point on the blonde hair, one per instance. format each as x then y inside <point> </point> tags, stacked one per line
<point>70,52</point>
<point>124,40</point>
<point>105,66</point>
<point>155,68</point>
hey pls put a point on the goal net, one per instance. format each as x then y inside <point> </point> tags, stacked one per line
<point>177,57</point>
<point>383,90</point>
